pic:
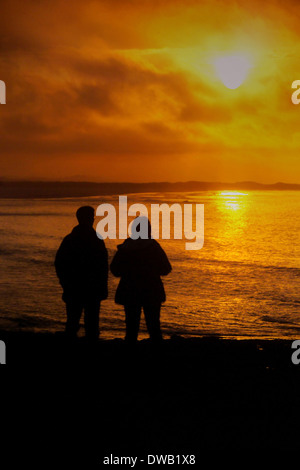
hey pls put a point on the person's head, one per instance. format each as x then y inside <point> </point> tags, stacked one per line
<point>141,228</point>
<point>85,216</point>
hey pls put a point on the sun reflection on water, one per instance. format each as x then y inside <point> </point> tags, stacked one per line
<point>233,207</point>
<point>233,200</point>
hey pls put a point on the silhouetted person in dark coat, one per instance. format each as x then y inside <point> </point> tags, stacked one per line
<point>140,262</point>
<point>82,268</point>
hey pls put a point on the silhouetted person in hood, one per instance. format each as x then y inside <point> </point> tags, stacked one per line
<point>140,261</point>
<point>82,268</point>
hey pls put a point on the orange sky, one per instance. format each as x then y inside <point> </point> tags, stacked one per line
<point>126,90</point>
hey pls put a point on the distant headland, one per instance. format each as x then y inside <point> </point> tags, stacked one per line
<point>58,189</point>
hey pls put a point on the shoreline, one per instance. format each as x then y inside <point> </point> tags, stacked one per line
<point>191,395</point>
<point>44,347</point>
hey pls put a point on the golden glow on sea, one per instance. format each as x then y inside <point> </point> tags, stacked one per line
<point>233,200</point>
<point>233,207</point>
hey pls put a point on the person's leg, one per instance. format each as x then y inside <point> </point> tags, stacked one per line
<point>91,318</point>
<point>152,317</point>
<point>74,310</point>
<point>132,319</point>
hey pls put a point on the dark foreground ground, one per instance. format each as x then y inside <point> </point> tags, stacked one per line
<point>77,403</point>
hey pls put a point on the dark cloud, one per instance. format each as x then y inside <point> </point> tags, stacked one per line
<point>201,112</point>
<point>102,141</point>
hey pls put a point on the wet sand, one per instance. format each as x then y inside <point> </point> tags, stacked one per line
<point>190,395</point>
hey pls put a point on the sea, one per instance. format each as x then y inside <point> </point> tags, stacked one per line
<point>243,283</point>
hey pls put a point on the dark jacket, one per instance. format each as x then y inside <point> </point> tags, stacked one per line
<point>81,265</point>
<point>140,263</point>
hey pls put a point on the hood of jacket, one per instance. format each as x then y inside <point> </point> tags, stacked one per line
<point>136,245</point>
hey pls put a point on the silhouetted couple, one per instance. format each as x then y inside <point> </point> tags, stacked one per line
<point>82,268</point>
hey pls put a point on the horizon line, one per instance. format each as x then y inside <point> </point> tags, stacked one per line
<point>9,180</point>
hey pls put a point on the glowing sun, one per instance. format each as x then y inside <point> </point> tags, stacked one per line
<point>232,70</point>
